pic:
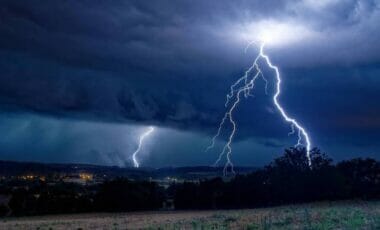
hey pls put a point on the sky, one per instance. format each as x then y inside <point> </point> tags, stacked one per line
<point>80,80</point>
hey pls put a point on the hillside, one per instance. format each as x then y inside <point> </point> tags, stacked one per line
<point>338,215</point>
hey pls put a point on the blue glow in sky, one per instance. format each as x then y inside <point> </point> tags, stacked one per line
<point>79,79</point>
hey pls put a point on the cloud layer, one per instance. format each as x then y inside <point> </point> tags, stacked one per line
<point>170,63</point>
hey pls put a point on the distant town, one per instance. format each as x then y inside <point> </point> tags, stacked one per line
<point>24,183</point>
<point>85,174</point>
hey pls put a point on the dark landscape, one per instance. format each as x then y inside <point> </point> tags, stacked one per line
<point>39,189</point>
<point>190,114</point>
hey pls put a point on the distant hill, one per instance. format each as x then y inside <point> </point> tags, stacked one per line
<point>14,168</point>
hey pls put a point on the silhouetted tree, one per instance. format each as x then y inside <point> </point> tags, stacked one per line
<point>287,179</point>
<point>362,177</point>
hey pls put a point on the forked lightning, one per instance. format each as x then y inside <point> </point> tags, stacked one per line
<point>244,86</point>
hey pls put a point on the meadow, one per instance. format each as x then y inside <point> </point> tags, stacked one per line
<point>322,215</point>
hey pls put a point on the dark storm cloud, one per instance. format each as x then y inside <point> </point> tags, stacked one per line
<point>170,63</point>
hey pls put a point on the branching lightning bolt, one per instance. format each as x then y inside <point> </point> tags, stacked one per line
<point>141,140</point>
<point>244,85</point>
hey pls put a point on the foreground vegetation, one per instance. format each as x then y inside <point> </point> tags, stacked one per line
<point>325,215</point>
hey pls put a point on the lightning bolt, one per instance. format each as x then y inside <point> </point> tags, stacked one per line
<point>244,86</point>
<point>141,140</point>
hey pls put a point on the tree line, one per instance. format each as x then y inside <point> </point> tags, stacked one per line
<point>117,195</point>
<point>286,180</point>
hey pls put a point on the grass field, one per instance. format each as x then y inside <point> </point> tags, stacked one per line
<point>336,215</point>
